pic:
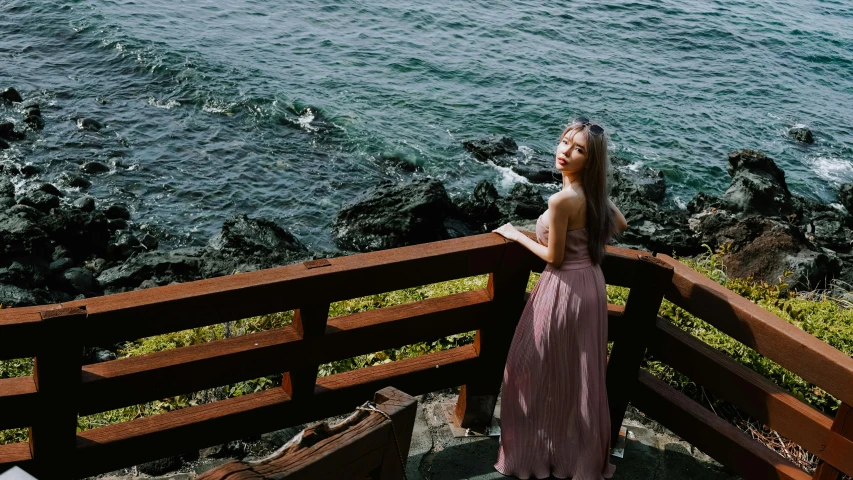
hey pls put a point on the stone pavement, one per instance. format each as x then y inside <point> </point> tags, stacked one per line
<point>651,453</point>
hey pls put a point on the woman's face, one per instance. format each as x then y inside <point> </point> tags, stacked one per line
<point>571,152</point>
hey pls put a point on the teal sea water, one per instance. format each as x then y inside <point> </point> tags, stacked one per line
<point>204,102</point>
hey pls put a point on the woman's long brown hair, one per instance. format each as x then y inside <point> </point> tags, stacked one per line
<point>600,220</point>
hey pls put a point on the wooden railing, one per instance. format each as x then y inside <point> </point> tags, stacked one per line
<point>60,389</point>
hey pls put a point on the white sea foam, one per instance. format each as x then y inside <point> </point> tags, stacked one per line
<point>831,168</point>
<point>679,202</point>
<point>167,104</point>
<point>508,177</point>
<point>218,106</point>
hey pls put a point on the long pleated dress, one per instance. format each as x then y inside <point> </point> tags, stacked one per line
<point>554,413</point>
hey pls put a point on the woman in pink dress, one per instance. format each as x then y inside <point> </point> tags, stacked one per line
<point>554,414</point>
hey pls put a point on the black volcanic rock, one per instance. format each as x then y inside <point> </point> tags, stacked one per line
<point>758,185</point>
<point>7,132</point>
<point>117,211</point>
<point>491,146</point>
<point>801,134</point>
<point>646,181</point>
<point>11,95</point>
<point>74,180</point>
<point>40,200</point>
<point>94,167</point>
<point>22,236</point>
<point>393,215</point>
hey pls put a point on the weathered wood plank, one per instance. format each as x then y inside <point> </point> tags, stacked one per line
<point>842,427</point>
<point>17,402</point>
<point>57,378</point>
<point>711,434</point>
<point>15,454</point>
<point>759,329</point>
<point>353,453</point>
<point>651,280</point>
<point>129,381</point>
<point>475,405</point>
<point>746,389</point>
<point>206,302</point>
<point>130,443</point>
<point>310,323</point>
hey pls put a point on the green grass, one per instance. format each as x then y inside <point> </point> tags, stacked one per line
<point>818,315</point>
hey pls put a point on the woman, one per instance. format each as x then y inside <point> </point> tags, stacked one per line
<point>554,414</point>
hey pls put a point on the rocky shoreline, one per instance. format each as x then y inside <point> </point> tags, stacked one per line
<point>58,244</point>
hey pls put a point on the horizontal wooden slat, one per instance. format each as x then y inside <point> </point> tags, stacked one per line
<point>746,389</point>
<point>177,307</point>
<point>708,432</point>
<point>158,375</point>
<point>759,329</point>
<point>146,439</point>
<point>17,402</point>
<point>15,454</point>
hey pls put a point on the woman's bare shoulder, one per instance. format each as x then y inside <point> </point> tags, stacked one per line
<point>566,200</point>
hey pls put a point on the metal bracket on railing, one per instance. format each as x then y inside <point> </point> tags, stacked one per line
<point>316,263</point>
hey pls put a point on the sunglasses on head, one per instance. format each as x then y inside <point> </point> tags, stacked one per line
<point>594,128</point>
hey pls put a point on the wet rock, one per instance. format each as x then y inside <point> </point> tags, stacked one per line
<point>41,201</point>
<point>11,95</point>
<point>3,145</point>
<point>537,174</point>
<point>95,265</point>
<point>7,202</point>
<point>61,251</point>
<point>401,163</point>
<point>801,134</point>
<point>7,132</point>
<point>160,467</point>
<point>149,241</point>
<point>86,204</point>
<point>845,196</point>
<point>89,124</point>
<point>74,180</point>
<point>118,224</point>
<point>124,246</point>
<point>491,146</point>
<point>60,265</point>
<point>246,236</point>
<point>823,225</point>
<point>50,189</point>
<point>652,227</point>
<point>481,210</point>
<point>7,188</point>
<point>83,233</point>
<point>523,202</point>
<point>393,215</point>
<point>30,170</point>
<point>97,355</point>
<point>25,211</point>
<point>758,185</point>
<point>25,271</point>
<point>117,211</point>
<point>32,110</point>
<point>12,296</point>
<point>646,181</point>
<point>79,280</point>
<point>163,268</point>
<point>94,167</point>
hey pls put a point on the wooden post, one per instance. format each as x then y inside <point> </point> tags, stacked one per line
<point>402,409</point>
<point>57,375</point>
<point>653,278</point>
<point>843,425</point>
<point>310,322</point>
<point>476,403</point>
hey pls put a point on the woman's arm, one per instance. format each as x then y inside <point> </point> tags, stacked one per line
<point>553,253</point>
<point>621,223</point>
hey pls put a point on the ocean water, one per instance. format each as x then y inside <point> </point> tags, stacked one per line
<point>205,102</point>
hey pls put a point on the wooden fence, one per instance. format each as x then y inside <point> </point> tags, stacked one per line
<point>61,388</point>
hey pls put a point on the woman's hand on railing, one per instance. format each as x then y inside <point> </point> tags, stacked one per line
<point>508,231</point>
